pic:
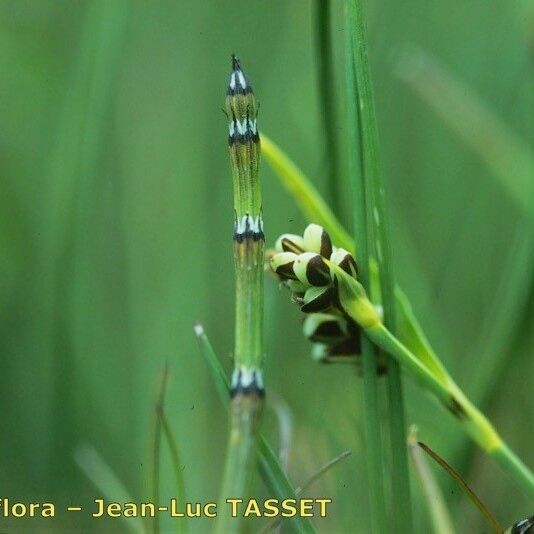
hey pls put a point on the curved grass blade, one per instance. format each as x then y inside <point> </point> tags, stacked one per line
<point>510,159</point>
<point>162,427</point>
<point>324,469</point>
<point>176,465</point>
<point>308,199</point>
<point>156,451</point>
<point>373,429</point>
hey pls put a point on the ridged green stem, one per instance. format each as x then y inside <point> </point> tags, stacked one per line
<point>240,459</point>
<point>247,382</point>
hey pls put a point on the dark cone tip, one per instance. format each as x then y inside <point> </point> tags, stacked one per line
<point>238,81</point>
<point>235,63</point>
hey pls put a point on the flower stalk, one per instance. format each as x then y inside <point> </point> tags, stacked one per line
<point>247,391</point>
<point>354,301</point>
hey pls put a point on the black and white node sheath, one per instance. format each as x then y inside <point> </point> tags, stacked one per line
<point>244,148</point>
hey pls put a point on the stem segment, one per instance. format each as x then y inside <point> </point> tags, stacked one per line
<point>247,382</point>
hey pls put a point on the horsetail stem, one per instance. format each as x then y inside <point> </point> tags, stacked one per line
<point>244,147</point>
<point>246,388</point>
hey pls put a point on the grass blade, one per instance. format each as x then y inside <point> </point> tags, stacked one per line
<point>375,218</point>
<point>176,465</point>
<point>324,469</point>
<point>412,335</point>
<point>511,160</point>
<point>354,301</point>
<point>373,432</point>
<point>278,483</point>
<point>156,450</point>
<point>220,380</point>
<point>162,427</point>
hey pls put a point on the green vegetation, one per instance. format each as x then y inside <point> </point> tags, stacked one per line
<point>116,236</point>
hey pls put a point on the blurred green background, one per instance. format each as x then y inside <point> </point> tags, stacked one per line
<point>116,237</point>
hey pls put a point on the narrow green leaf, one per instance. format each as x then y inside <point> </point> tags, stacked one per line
<point>162,427</point>
<point>324,469</point>
<point>176,466</point>
<point>156,451</point>
<point>276,480</point>
<point>222,384</point>
<point>412,335</point>
<point>510,159</point>
<point>374,458</point>
<point>356,304</point>
<point>378,239</point>
<point>322,15</point>
<point>308,199</point>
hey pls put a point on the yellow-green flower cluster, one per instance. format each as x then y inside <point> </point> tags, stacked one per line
<point>300,261</point>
